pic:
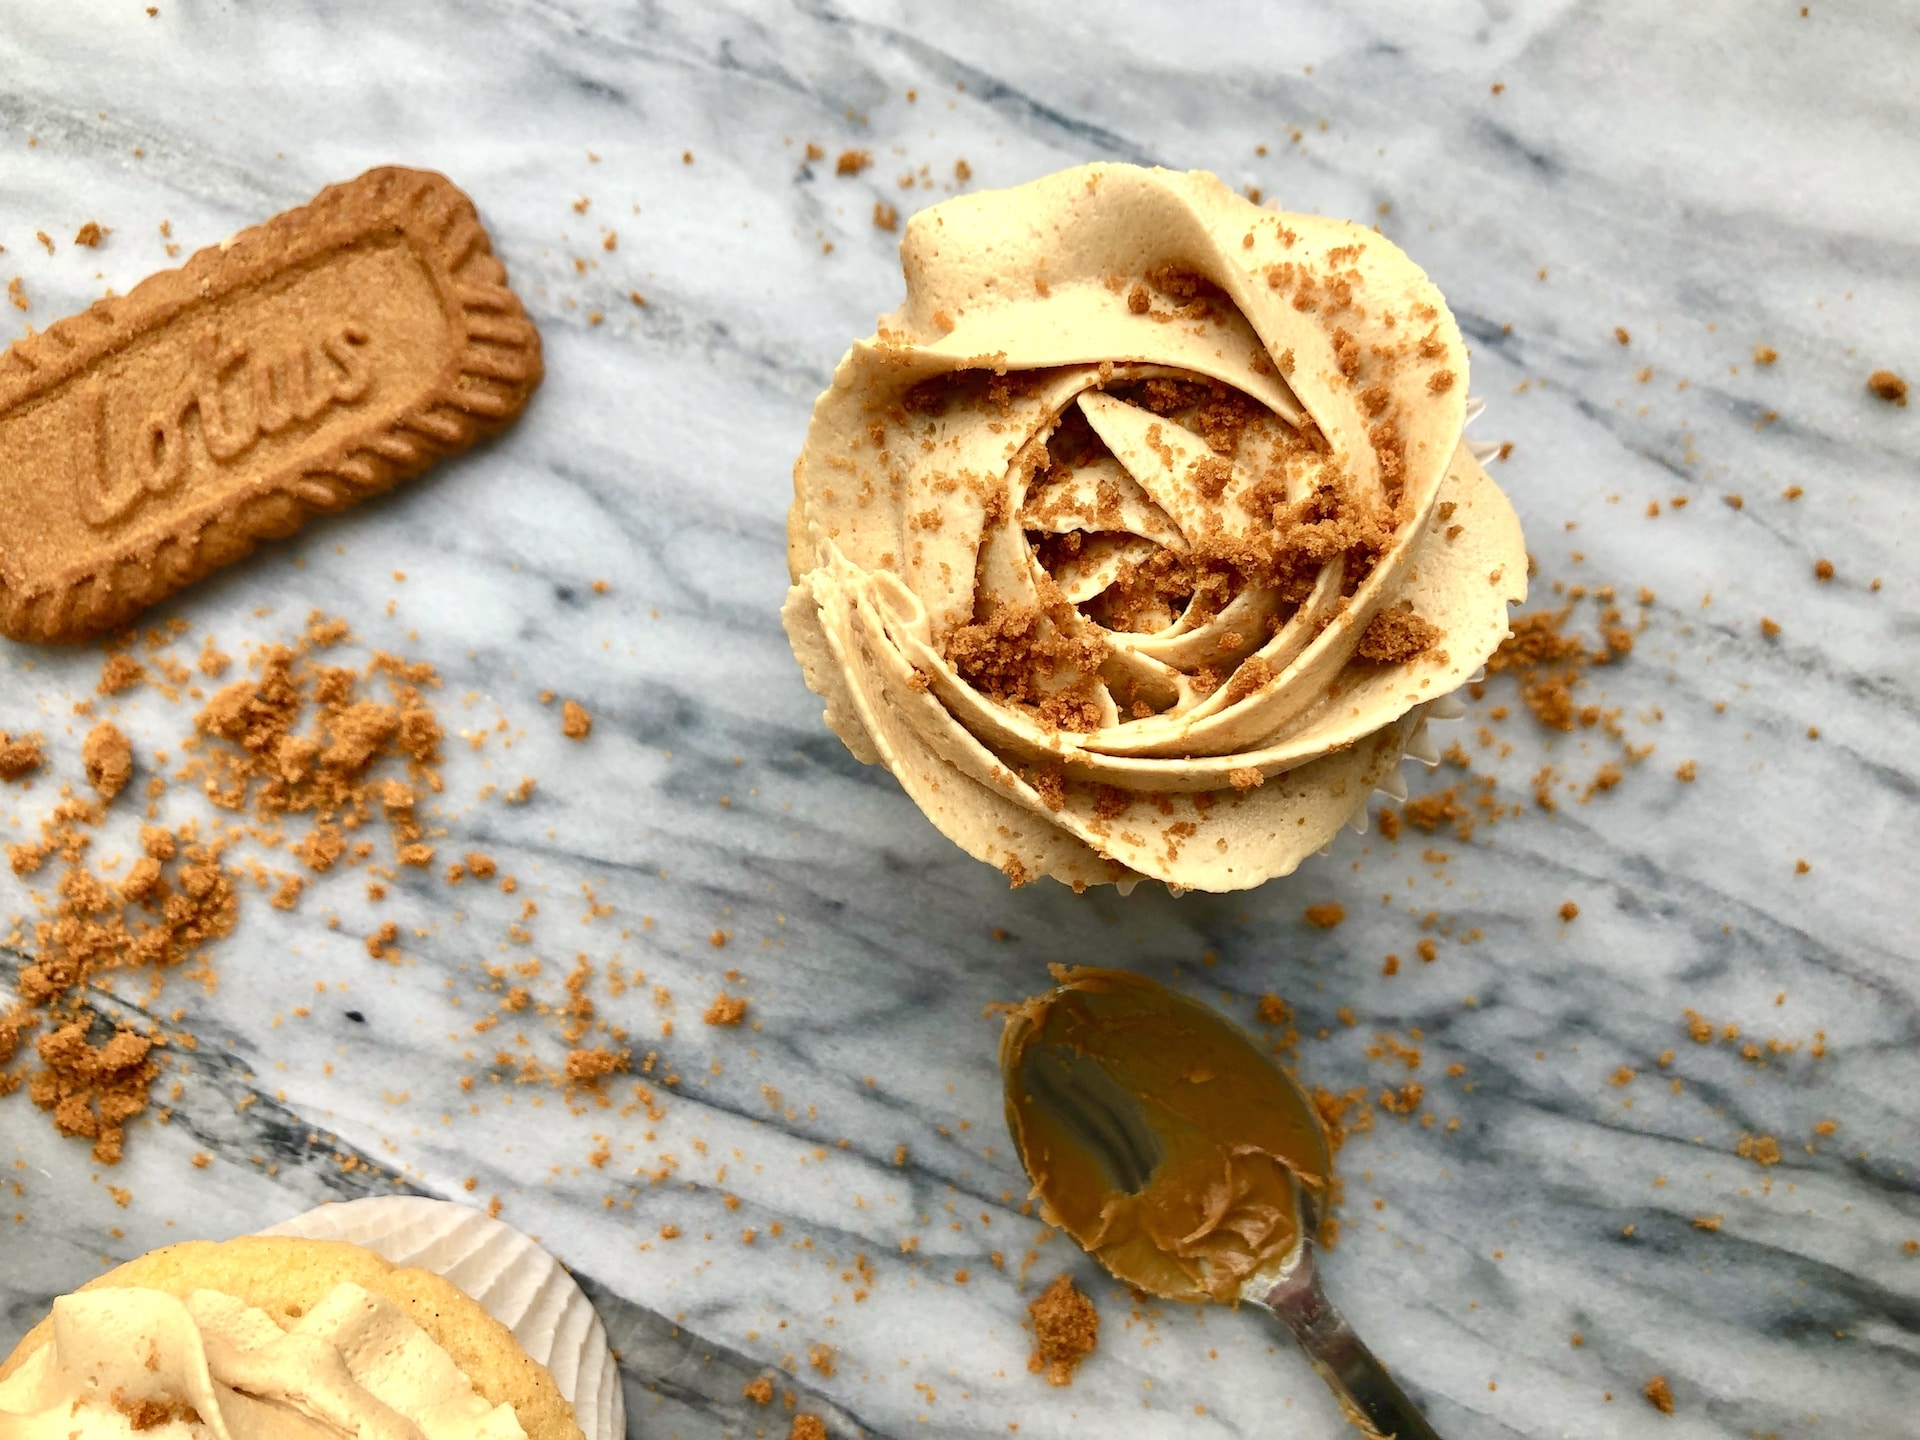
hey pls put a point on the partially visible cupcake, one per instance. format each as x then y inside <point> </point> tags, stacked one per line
<point>516,1281</point>
<point>276,1336</point>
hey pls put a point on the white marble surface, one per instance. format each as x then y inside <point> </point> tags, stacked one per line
<point>1708,176</point>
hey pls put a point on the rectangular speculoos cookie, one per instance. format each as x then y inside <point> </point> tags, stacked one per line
<point>303,364</point>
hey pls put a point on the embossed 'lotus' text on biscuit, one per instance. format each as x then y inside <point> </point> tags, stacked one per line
<point>316,359</point>
<point>231,400</point>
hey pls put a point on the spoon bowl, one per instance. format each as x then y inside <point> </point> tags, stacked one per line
<point>1186,1162</point>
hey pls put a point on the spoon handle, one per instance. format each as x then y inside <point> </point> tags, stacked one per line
<point>1366,1392</point>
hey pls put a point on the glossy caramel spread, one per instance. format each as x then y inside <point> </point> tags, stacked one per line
<point>1158,1136</point>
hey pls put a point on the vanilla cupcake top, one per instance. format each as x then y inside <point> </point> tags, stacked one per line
<point>1138,539</point>
<point>122,1361</point>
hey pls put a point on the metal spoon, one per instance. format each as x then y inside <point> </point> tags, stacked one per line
<point>1135,1110</point>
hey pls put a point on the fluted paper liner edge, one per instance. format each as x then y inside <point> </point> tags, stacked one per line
<point>505,1272</point>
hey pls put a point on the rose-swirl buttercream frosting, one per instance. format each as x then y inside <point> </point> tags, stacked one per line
<point>1139,540</point>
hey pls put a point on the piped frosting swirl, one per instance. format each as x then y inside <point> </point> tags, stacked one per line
<point>127,1361</point>
<point>1138,540</point>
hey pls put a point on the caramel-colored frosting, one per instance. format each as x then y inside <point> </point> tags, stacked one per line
<point>1138,539</point>
<point>1158,1136</point>
<point>122,1361</point>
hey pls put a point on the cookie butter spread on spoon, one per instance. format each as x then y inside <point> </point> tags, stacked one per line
<point>1138,540</point>
<point>209,1367</point>
<point>1157,1136</point>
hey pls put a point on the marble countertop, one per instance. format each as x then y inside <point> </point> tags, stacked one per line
<point>1621,203</point>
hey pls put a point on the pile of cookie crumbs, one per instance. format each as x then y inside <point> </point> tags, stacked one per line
<point>304,758</point>
<point>1550,665</point>
<point>1066,1328</point>
<point>298,739</point>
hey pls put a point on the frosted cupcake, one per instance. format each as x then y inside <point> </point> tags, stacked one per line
<point>1139,541</point>
<point>276,1337</point>
<point>285,1337</point>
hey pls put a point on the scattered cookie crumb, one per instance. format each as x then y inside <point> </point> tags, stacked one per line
<point>108,756</point>
<point>1395,636</point>
<point>1888,386</point>
<point>1659,1394</point>
<point>760,1391</point>
<point>808,1427</point>
<point>726,1009</point>
<point>1325,917</point>
<point>1066,1328</point>
<point>120,673</point>
<point>90,235</point>
<point>18,757</point>
<point>1569,911</point>
<point>1765,355</point>
<point>852,162</point>
<point>575,722</point>
<point>587,1067</point>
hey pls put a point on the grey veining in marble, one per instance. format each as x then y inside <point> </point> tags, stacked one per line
<point>1708,178</point>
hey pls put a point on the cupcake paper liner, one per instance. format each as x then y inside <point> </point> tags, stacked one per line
<point>513,1279</point>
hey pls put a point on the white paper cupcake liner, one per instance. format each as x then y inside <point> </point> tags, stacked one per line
<point>513,1279</point>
